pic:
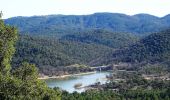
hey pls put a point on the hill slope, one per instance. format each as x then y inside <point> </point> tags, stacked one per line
<point>103,37</point>
<point>81,48</point>
<point>153,48</point>
<point>50,52</point>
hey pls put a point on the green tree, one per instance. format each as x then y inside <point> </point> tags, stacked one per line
<point>23,83</point>
<point>26,72</point>
<point>8,37</point>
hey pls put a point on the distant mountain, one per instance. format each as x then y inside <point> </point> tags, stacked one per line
<point>59,25</point>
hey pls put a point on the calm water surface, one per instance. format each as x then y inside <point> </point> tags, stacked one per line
<point>68,84</point>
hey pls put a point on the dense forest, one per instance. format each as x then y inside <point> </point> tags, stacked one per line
<point>79,48</point>
<point>103,37</point>
<point>153,48</point>
<point>59,25</point>
<point>54,55</point>
<point>92,39</point>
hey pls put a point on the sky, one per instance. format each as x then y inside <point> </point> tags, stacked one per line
<point>12,8</point>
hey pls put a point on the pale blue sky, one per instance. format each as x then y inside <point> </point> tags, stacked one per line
<point>13,8</point>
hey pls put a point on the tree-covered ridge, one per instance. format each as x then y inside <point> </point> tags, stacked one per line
<point>153,48</point>
<point>88,47</point>
<point>44,51</point>
<point>65,24</point>
<point>103,37</point>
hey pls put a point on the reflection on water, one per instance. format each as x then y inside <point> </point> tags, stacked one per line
<point>68,84</point>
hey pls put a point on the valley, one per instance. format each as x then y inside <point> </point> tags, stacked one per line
<point>102,56</point>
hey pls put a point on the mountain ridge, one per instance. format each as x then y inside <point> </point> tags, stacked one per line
<point>89,14</point>
<point>154,48</point>
<point>116,22</point>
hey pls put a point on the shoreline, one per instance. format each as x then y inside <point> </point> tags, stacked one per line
<point>65,76</point>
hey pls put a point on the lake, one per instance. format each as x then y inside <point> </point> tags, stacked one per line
<point>68,83</point>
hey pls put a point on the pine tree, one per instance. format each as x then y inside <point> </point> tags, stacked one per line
<point>8,37</point>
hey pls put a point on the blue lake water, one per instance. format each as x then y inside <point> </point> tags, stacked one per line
<point>68,84</point>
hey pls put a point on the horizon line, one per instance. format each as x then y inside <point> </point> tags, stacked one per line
<point>89,14</point>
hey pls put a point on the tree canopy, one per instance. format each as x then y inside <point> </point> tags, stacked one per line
<point>22,84</point>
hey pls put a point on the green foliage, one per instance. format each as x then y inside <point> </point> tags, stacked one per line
<point>87,48</point>
<point>14,88</point>
<point>103,37</point>
<point>91,95</point>
<point>82,47</point>
<point>26,72</point>
<point>153,48</point>
<point>157,69</point>
<point>23,84</point>
<point>48,52</point>
<point>8,37</point>
<point>111,95</point>
<point>134,88</point>
<point>146,95</point>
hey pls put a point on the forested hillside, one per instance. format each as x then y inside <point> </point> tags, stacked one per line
<point>59,25</point>
<point>60,40</point>
<point>103,37</point>
<point>153,48</point>
<point>79,48</point>
<point>48,51</point>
